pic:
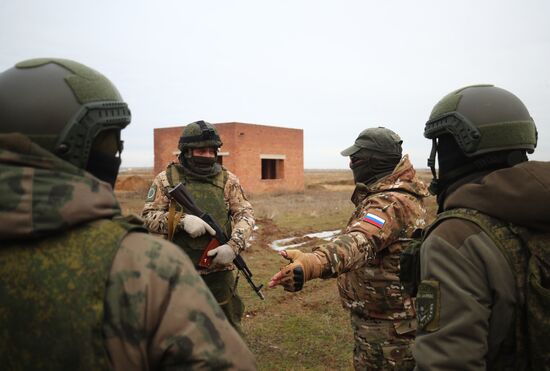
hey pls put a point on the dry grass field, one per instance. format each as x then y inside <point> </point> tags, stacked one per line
<point>308,330</point>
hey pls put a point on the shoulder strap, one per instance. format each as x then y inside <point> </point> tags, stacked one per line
<point>225,176</point>
<point>220,179</point>
<point>173,175</point>
<point>485,223</point>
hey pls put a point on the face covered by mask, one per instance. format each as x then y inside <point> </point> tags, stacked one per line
<point>200,166</point>
<point>456,168</point>
<point>103,166</point>
<point>369,166</point>
<point>104,160</point>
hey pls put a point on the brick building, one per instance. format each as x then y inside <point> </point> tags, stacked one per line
<point>265,158</point>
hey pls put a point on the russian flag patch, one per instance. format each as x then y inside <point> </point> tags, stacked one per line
<point>374,220</point>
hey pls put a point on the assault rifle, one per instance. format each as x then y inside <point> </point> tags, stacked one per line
<point>180,194</point>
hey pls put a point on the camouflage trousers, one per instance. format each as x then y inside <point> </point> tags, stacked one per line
<point>379,347</point>
<point>221,284</point>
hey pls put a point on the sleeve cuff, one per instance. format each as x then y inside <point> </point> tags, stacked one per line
<point>235,246</point>
<point>327,269</point>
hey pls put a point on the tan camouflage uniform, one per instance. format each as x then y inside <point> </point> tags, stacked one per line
<point>154,312</point>
<point>365,257</point>
<point>155,213</point>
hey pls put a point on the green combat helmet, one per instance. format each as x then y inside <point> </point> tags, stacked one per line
<point>68,109</point>
<point>199,134</point>
<point>489,126</point>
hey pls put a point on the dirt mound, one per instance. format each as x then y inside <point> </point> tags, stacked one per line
<point>132,183</point>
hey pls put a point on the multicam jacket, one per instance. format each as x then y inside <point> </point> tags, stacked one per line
<point>149,309</point>
<point>156,210</point>
<point>365,257</point>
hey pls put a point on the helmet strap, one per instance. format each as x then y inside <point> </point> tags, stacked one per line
<point>434,185</point>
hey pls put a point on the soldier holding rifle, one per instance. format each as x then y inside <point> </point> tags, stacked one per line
<point>217,192</point>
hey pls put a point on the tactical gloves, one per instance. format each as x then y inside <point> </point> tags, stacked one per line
<point>303,267</point>
<point>223,254</point>
<point>195,226</point>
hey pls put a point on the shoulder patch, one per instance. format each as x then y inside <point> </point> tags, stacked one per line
<point>428,306</point>
<point>374,220</point>
<point>151,193</point>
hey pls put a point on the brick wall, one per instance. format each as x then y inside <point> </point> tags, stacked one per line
<point>245,145</point>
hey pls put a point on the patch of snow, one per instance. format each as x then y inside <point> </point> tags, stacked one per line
<point>280,245</point>
<point>326,235</point>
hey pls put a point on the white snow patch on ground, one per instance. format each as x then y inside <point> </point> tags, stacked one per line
<point>280,245</point>
<point>326,235</point>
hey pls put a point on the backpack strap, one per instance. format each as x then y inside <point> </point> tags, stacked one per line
<point>485,223</point>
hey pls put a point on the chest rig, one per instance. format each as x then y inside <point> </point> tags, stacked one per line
<point>208,194</point>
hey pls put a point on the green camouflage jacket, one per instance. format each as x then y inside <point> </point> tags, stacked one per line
<point>365,257</point>
<point>159,314</point>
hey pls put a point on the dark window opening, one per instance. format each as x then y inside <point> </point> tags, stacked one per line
<point>272,169</point>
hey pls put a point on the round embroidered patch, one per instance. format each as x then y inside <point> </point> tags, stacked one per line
<point>151,194</point>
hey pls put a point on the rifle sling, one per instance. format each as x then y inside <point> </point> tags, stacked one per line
<point>173,219</point>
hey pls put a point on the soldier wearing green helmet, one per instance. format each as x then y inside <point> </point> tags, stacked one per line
<point>217,192</point>
<point>477,302</point>
<point>82,287</point>
<point>389,201</point>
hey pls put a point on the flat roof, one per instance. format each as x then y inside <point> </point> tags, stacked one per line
<point>232,123</point>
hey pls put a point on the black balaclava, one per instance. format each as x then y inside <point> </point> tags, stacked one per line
<point>454,166</point>
<point>369,166</point>
<point>104,158</point>
<point>200,166</point>
<point>103,166</point>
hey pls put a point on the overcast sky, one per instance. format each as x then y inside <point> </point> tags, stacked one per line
<point>332,68</point>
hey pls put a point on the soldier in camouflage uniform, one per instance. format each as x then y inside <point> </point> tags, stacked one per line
<point>471,313</point>
<point>81,287</point>
<point>217,192</point>
<point>365,257</point>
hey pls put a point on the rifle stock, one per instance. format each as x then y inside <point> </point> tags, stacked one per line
<point>180,194</point>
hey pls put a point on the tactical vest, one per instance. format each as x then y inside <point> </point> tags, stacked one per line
<point>528,255</point>
<point>52,298</point>
<point>208,194</point>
